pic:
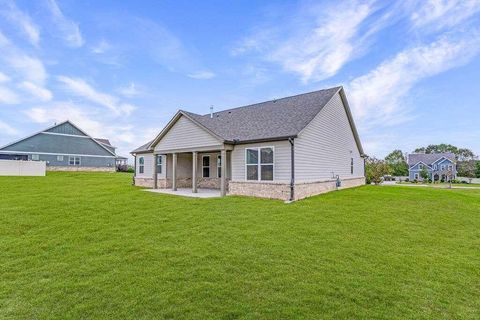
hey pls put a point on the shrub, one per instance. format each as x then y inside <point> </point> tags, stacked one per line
<point>415,181</point>
<point>407,180</point>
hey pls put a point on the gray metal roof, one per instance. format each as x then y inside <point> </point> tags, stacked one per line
<point>271,120</point>
<point>428,158</point>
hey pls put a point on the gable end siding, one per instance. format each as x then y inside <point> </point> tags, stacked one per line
<point>66,128</point>
<point>48,143</point>
<point>186,134</point>
<point>322,150</point>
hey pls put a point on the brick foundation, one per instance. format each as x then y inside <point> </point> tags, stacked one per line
<point>308,189</point>
<point>270,190</point>
<point>79,168</point>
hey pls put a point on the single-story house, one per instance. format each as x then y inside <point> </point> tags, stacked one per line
<point>64,147</point>
<point>439,166</point>
<point>288,149</point>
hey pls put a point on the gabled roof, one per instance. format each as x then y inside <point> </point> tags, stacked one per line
<point>49,129</point>
<point>104,141</point>
<point>429,158</point>
<point>266,121</point>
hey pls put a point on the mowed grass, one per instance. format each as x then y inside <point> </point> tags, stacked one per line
<point>83,245</point>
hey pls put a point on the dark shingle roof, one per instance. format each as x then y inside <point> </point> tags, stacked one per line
<point>270,120</point>
<point>143,148</point>
<point>280,118</point>
<point>428,158</point>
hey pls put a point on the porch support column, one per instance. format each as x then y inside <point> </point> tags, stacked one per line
<point>155,182</point>
<point>174,172</point>
<point>223,159</point>
<point>194,171</point>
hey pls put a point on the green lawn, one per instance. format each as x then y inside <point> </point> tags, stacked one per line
<point>76,245</point>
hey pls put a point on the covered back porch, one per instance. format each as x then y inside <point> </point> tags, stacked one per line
<point>181,170</point>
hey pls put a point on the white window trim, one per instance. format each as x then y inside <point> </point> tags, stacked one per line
<point>259,164</point>
<point>416,176</point>
<point>219,156</point>
<point>209,166</point>
<point>141,165</point>
<point>37,156</point>
<point>60,158</point>
<point>74,157</point>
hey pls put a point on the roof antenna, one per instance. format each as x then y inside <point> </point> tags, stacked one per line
<point>211,112</point>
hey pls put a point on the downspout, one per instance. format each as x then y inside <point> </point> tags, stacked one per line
<point>292,169</point>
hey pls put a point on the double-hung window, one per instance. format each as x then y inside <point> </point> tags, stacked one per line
<point>74,161</point>
<point>159,164</point>
<point>420,166</point>
<point>59,158</point>
<point>442,167</point>
<point>219,166</point>
<point>206,166</point>
<point>35,157</point>
<point>259,163</point>
<point>141,165</point>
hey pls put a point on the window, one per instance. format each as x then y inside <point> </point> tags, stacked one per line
<point>442,167</point>
<point>59,158</point>
<point>450,167</point>
<point>415,176</point>
<point>159,164</point>
<point>35,157</point>
<point>206,166</point>
<point>74,161</point>
<point>351,165</point>
<point>434,167</point>
<point>141,165</point>
<point>259,163</point>
<point>420,166</point>
<point>219,166</point>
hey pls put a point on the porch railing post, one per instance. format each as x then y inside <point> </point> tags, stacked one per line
<point>194,172</point>
<point>223,159</point>
<point>174,172</point>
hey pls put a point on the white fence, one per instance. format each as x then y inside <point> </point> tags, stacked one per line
<point>474,180</point>
<point>22,168</point>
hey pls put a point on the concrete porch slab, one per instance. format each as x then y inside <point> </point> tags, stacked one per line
<point>187,192</point>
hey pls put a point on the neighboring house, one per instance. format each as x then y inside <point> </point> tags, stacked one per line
<point>288,149</point>
<point>440,166</point>
<point>64,147</point>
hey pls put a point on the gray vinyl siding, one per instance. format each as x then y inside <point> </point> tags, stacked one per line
<point>50,143</point>
<point>148,166</point>
<point>281,160</point>
<point>66,128</point>
<point>84,161</point>
<point>185,134</point>
<point>324,148</point>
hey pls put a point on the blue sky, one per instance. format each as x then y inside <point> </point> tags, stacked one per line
<point>120,69</point>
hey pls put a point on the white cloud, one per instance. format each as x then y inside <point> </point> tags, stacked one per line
<point>439,14</point>
<point>36,91</point>
<point>129,91</point>
<point>22,21</point>
<point>7,96</point>
<point>7,129</point>
<point>377,97</point>
<point>101,47</point>
<point>317,42</point>
<point>202,75</point>
<point>31,68</point>
<point>4,77</point>
<point>81,88</point>
<point>69,30</point>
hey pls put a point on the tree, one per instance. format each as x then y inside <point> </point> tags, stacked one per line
<point>424,174</point>
<point>397,162</point>
<point>467,168</point>
<point>477,171</point>
<point>461,154</point>
<point>375,169</point>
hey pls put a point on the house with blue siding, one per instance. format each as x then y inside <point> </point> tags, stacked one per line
<point>440,166</point>
<point>64,147</point>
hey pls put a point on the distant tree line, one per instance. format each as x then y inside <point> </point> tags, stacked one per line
<point>395,163</point>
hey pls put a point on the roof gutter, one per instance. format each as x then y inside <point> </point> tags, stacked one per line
<point>236,141</point>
